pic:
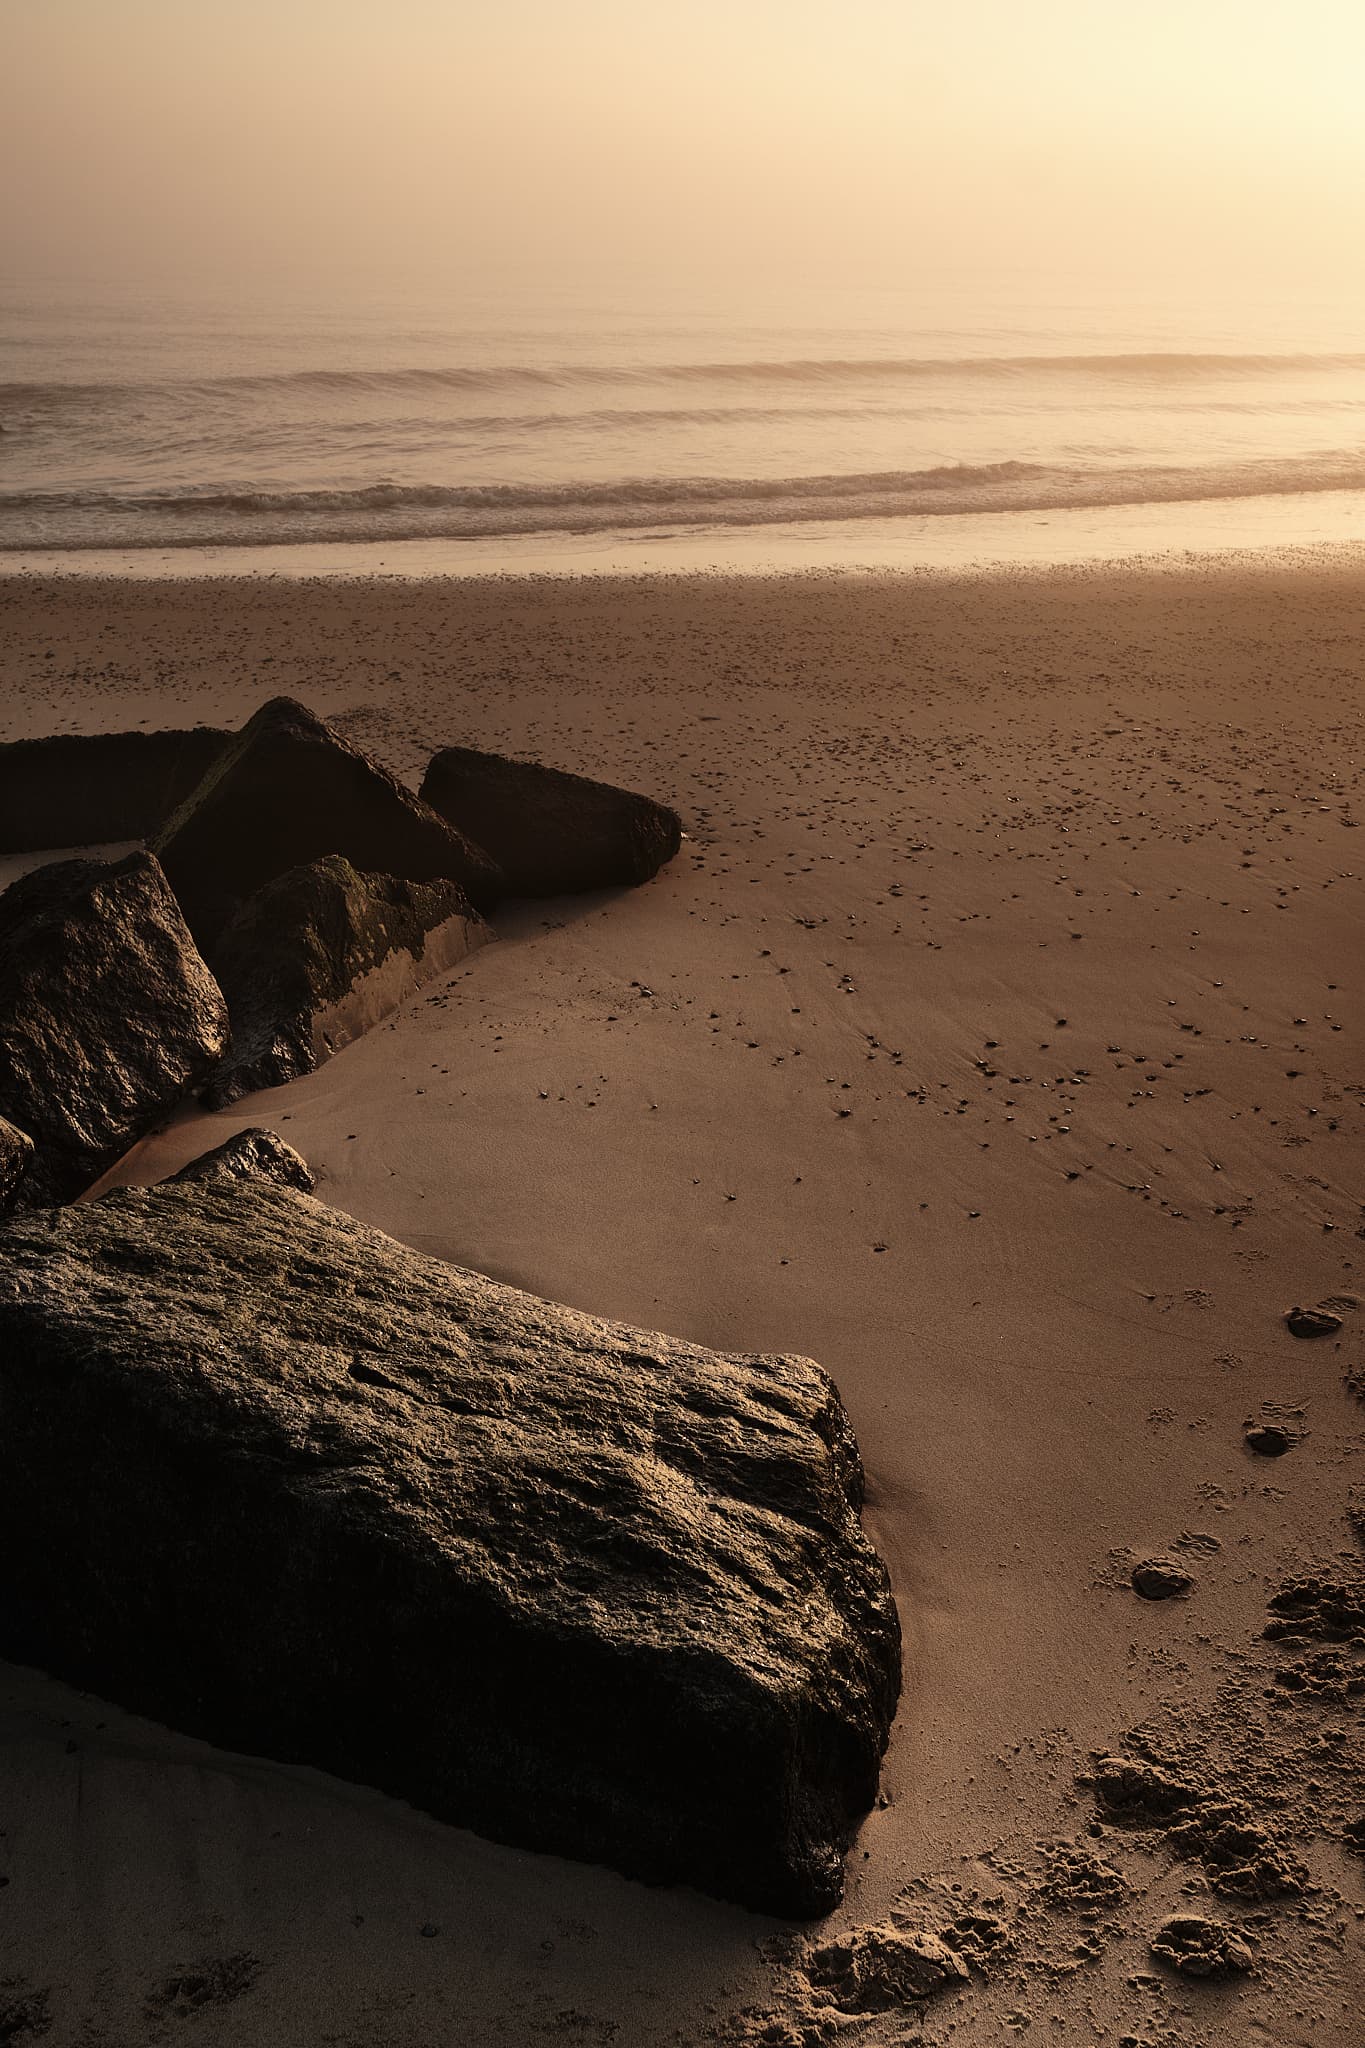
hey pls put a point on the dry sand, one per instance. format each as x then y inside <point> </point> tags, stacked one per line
<point>995,1039</point>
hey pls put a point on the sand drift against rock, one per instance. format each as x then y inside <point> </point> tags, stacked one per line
<point>317,956</point>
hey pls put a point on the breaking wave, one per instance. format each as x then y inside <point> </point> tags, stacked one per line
<point>398,511</point>
<point>1149,366</point>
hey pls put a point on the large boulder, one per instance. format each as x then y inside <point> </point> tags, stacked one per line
<point>277,1480</point>
<point>16,1153</point>
<point>319,955</point>
<point>552,834</point>
<point>85,789</point>
<point>287,791</point>
<point>108,1016</point>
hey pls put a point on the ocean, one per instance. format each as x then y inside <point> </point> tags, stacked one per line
<point>492,419</point>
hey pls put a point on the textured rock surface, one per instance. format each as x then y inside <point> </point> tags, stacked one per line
<point>108,1016</point>
<point>552,834</point>
<point>282,1482</point>
<point>253,1154</point>
<point>318,956</point>
<point>81,789</point>
<point>289,790</point>
<point>16,1151</point>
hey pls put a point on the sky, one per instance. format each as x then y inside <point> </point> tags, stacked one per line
<point>821,137</point>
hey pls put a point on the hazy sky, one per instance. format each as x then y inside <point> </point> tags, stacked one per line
<point>868,136</point>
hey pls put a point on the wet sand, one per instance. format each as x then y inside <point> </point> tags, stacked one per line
<point>995,1039</point>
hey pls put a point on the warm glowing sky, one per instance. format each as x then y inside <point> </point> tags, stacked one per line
<point>871,135</point>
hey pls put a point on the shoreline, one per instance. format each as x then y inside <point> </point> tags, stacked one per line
<point>1331,523</point>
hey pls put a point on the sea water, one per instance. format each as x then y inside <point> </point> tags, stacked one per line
<point>518,422</point>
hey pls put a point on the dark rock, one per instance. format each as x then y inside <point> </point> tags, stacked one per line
<point>83,789</point>
<point>289,790</point>
<point>552,834</point>
<point>1199,1947</point>
<point>318,956</point>
<point>253,1154</point>
<point>1269,1439</point>
<point>16,1151</point>
<point>1156,1578</point>
<point>108,1016</point>
<point>279,1481</point>
<point>1312,1322</point>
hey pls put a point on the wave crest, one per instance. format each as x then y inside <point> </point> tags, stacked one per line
<point>397,511</point>
<point>1157,365</point>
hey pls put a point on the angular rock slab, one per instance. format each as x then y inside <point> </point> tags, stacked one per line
<point>16,1153</point>
<point>551,833</point>
<point>108,1016</point>
<point>277,1480</point>
<point>318,956</point>
<point>85,789</point>
<point>289,790</point>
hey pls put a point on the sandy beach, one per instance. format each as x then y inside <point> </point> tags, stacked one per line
<point>995,1039</point>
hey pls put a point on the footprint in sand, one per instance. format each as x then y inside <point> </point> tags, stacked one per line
<point>1312,1322</point>
<point>1199,1947</point>
<point>1158,1578</point>
<point>1268,1439</point>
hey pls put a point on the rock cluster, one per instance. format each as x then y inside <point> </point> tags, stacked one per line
<point>269,1476</point>
<point>289,877</point>
<point>289,790</point>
